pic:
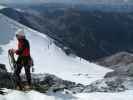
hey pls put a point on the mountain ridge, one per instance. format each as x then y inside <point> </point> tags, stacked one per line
<point>90,35</point>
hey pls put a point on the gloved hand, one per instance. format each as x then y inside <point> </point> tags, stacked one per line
<point>13,50</point>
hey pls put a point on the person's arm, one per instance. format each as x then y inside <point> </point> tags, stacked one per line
<point>19,51</point>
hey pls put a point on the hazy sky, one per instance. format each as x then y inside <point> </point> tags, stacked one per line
<point>70,1</point>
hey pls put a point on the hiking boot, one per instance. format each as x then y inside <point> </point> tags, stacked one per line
<point>27,87</point>
<point>18,88</point>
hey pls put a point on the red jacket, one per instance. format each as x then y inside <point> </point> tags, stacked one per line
<point>23,48</point>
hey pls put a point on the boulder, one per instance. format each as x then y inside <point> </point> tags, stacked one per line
<point>112,84</point>
<point>3,68</point>
<point>41,82</point>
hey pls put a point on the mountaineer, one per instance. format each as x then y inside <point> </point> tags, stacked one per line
<point>24,60</point>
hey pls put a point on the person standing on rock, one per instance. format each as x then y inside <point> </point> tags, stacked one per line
<point>24,60</point>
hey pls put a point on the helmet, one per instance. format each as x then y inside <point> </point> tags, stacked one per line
<point>20,32</point>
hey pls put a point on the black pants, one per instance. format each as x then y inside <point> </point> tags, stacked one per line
<point>17,72</point>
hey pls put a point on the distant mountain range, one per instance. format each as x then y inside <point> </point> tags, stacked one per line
<point>89,34</point>
<point>116,7</point>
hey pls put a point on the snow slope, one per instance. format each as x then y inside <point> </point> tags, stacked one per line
<point>2,7</point>
<point>33,95</point>
<point>49,58</point>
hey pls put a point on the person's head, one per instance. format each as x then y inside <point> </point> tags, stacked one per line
<point>20,34</point>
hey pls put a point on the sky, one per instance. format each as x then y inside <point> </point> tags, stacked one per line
<point>66,1</point>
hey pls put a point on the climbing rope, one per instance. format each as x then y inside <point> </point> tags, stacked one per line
<point>12,61</point>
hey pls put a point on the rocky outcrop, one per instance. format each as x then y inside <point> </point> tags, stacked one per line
<point>47,82</point>
<point>120,79</point>
<point>116,60</point>
<point>41,82</point>
<point>3,68</point>
<point>113,84</point>
<point>121,71</point>
<point>121,63</point>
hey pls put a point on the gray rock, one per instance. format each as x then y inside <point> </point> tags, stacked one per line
<point>121,71</point>
<point>114,84</point>
<point>3,68</point>
<point>117,60</point>
<point>41,82</point>
<point>120,79</point>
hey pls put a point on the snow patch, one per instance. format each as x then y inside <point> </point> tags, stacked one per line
<point>33,95</point>
<point>128,95</point>
<point>2,7</point>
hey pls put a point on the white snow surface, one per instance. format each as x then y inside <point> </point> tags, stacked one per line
<point>33,95</point>
<point>2,7</point>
